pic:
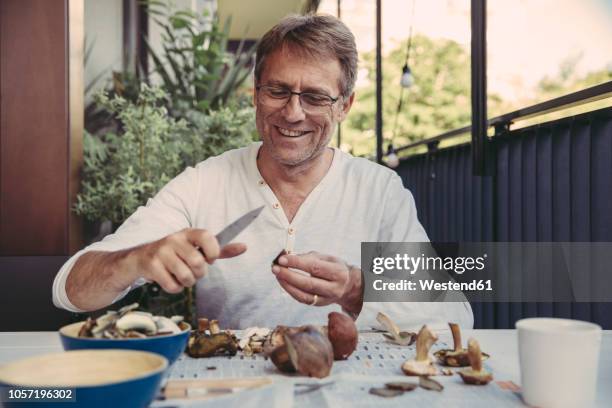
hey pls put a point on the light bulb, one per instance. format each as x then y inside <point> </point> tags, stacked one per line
<point>392,160</point>
<point>407,78</point>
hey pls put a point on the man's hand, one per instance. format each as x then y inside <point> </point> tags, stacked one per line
<point>174,262</point>
<point>180,259</point>
<point>331,279</point>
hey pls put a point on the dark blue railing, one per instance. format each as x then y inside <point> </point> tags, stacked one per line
<point>548,182</point>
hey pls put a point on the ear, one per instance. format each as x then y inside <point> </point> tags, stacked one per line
<point>254,93</point>
<point>345,108</point>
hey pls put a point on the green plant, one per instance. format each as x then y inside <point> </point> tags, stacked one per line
<point>122,170</point>
<point>195,66</point>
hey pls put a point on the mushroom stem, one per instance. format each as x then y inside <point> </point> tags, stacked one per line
<point>202,324</point>
<point>456,335</point>
<point>475,355</point>
<point>214,327</point>
<point>425,339</point>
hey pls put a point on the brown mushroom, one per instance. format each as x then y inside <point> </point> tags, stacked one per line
<point>422,365</point>
<point>281,253</point>
<point>394,335</point>
<point>310,351</point>
<point>458,357</point>
<point>476,375</point>
<point>209,341</point>
<point>304,349</point>
<point>276,349</point>
<point>342,334</point>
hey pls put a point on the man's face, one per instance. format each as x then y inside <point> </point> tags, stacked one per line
<point>290,135</point>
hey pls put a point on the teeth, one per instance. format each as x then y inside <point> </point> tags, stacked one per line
<point>291,133</point>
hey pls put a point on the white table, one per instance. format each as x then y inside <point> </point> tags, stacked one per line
<point>501,344</point>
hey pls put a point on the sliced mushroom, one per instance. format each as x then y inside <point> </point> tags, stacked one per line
<point>251,334</point>
<point>177,319</point>
<point>422,365</point>
<point>166,325</point>
<point>104,322</point>
<point>476,375</point>
<point>138,322</point>
<point>430,384</point>
<point>87,327</point>
<point>128,308</point>
<point>458,357</point>
<point>402,338</point>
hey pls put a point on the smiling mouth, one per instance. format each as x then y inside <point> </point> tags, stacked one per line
<point>291,133</point>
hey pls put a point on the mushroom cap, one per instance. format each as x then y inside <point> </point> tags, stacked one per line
<point>310,351</point>
<point>471,376</point>
<point>343,335</point>
<point>414,367</point>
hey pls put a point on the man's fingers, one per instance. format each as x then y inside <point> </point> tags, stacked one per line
<point>206,242</point>
<point>167,281</point>
<point>302,296</point>
<point>232,250</point>
<point>312,264</point>
<point>193,258</point>
<point>181,272</point>
<point>305,283</point>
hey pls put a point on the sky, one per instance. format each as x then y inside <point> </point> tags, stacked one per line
<point>527,39</point>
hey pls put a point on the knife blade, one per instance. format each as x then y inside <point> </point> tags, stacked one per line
<point>232,230</point>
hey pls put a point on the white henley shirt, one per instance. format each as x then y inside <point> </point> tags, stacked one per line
<point>356,201</point>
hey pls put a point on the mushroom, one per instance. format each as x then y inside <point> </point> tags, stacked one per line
<point>166,325</point>
<point>458,357</point>
<point>304,349</point>
<point>476,374</point>
<point>281,253</point>
<point>342,334</point>
<point>252,341</point>
<point>275,348</point>
<point>394,335</point>
<point>136,321</point>
<point>310,351</point>
<point>214,327</point>
<point>422,365</point>
<point>103,323</point>
<point>210,341</point>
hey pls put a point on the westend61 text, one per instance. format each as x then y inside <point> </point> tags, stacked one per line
<point>430,284</point>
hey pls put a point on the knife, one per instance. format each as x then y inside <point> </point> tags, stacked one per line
<point>232,230</point>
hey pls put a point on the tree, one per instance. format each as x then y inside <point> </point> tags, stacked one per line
<point>438,101</point>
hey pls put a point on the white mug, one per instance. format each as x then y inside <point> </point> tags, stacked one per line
<point>558,360</point>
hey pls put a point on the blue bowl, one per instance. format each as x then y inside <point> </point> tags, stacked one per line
<point>90,378</point>
<point>170,346</point>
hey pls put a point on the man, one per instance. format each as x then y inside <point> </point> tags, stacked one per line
<point>320,204</point>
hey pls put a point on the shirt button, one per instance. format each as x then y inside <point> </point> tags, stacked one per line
<point>261,182</point>
<point>276,206</point>
<point>291,231</point>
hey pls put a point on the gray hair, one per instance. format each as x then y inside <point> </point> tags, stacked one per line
<point>314,35</point>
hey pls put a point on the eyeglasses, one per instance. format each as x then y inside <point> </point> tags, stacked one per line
<point>277,97</point>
